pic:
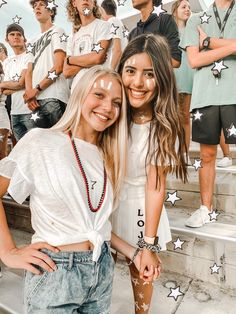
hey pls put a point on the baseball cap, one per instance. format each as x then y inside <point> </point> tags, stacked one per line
<point>15,28</point>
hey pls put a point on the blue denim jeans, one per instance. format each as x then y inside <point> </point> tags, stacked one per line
<point>21,124</point>
<point>49,112</point>
<point>79,285</point>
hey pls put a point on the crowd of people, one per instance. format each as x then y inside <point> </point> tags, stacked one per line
<point>98,120</point>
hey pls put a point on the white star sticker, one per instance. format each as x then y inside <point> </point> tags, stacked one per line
<point>197,164</point>
<point>86,11</point>
<point>135,281</point>
<point>52,75</point>
<point>219,66</point>
<point>159,10</point>
<point>231,131</point>
<point>34,116</point>
<point>51,5</point>
<point>125,32</point>
<point>145,307</point>
<point>215,269</point>
<point>2,2</point>
<point>178,244</point>
<point>121,2</point>
<point>29,48</point>
<point>197,115</point>
<point>1,138</point>
<point>213,215</point>
<point>141,295</point>
<point>172,197</point>
<point>175,293</point>
<point>205,18</point>
<point>97,48</point>
<point>63,37</point>
<point>16,78</point>
<point>114,29</point>
<point>16,19</point>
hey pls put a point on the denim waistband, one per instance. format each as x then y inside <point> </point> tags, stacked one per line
<point>69,258</point>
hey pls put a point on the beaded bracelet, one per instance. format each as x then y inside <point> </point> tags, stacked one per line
<point>134,256</point>
<point>151,247</point>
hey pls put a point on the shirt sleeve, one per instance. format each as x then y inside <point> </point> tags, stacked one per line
<point>104,31</point>
<point>169,29</point>
<point>59,39</point>
<point>28,59</point>
<point>69,47</point>
<point>17,167</point>
<point>191,35</point>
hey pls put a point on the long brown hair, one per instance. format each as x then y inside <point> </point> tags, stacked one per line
<point>174,9</point>
<point>166,131</point>
<point>74,16</point>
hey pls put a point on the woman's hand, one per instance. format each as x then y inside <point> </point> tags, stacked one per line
<point>150,267</point>
<point>25,257</point>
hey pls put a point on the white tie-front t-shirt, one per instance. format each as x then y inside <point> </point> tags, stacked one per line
<point>43,165</point>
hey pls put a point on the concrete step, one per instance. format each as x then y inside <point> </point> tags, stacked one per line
<point>214,243</point>
<point>224,198</point>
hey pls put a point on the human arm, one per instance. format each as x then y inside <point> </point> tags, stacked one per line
<point>20,257</point>
<point>15,85</point>
<point>87,60</point>
<point>116,52</point>
<point>154,200</point>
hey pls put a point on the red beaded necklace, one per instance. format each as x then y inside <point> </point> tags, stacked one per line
<point>86,180</point>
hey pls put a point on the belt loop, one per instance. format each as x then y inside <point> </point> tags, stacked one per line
<point>71,258</point>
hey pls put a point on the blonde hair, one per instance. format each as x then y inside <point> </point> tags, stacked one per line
<point>74,16</point>
<point>174,9</point>
<point>112,142</point>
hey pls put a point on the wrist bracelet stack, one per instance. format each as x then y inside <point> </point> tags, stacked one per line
<point>133,258</point>
<point>151,247</point>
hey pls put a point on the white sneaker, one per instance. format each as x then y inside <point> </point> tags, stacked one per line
<point>225,162</point>
<point>199,218</point>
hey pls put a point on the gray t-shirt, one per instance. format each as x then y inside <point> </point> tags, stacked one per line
<point>205,90</point>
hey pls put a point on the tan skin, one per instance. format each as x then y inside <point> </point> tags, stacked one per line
<point>100,110</point>
<point>90,59</point>
<point>43,15</point>
<point>140,85</point>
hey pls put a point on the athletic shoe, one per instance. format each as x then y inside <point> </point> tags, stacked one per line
<point>225,162</point>
<point>199,218</point>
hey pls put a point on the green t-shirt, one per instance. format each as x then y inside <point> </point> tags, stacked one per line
<point>205,90</point>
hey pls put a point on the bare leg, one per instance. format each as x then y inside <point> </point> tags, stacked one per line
<point>142,291</point>
<point>224,146</point>
<point>207,173</point>
<point>3,143</point>
<point>185,100</point>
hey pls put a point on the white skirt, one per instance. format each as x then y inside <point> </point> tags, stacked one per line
<point>129,218</point>
<point>4,119</point>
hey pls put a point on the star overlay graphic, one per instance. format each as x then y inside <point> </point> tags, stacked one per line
<point>219,66</point>
<point>16,78</point>
<point>215,269</point>
<point>197,115</point>
<point>213,215</point>
<point>178,244</point>
<point>114,29</point>
<point>197,164</point>
<point>51,5</point>
<point>52,75</point>
<point>29,48</point>
<point>35,116</point>
<point>172,197</point>
<point>86,11</point>
<point>97,48</point>
<point>16,19</point>
<point>121,2</point>
<point>175,293</point>
<point>159,10</point>
<point>63,37</point>
<point>125,32</point>
<point>231,131</point>
<point>2,2</point>
<point>205,18</point>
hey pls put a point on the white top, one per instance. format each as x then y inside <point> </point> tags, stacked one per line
<point>83,41</point>
<point>45,45</point>
<point>13,67</point>
<point>4,119</point>
<point>43,165</point>
<point>117,29</point>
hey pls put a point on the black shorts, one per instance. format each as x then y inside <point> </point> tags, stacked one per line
<point>208,122</point>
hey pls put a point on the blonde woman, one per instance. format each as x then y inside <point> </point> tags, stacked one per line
<point>181,12</point>
<point>73,174</point>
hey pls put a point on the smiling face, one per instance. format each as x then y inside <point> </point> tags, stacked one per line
<point>183,12</point>
<point>139,81</point>
<point>101,107</point>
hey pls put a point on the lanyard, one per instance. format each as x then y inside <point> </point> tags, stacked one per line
<point>218,20</point>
